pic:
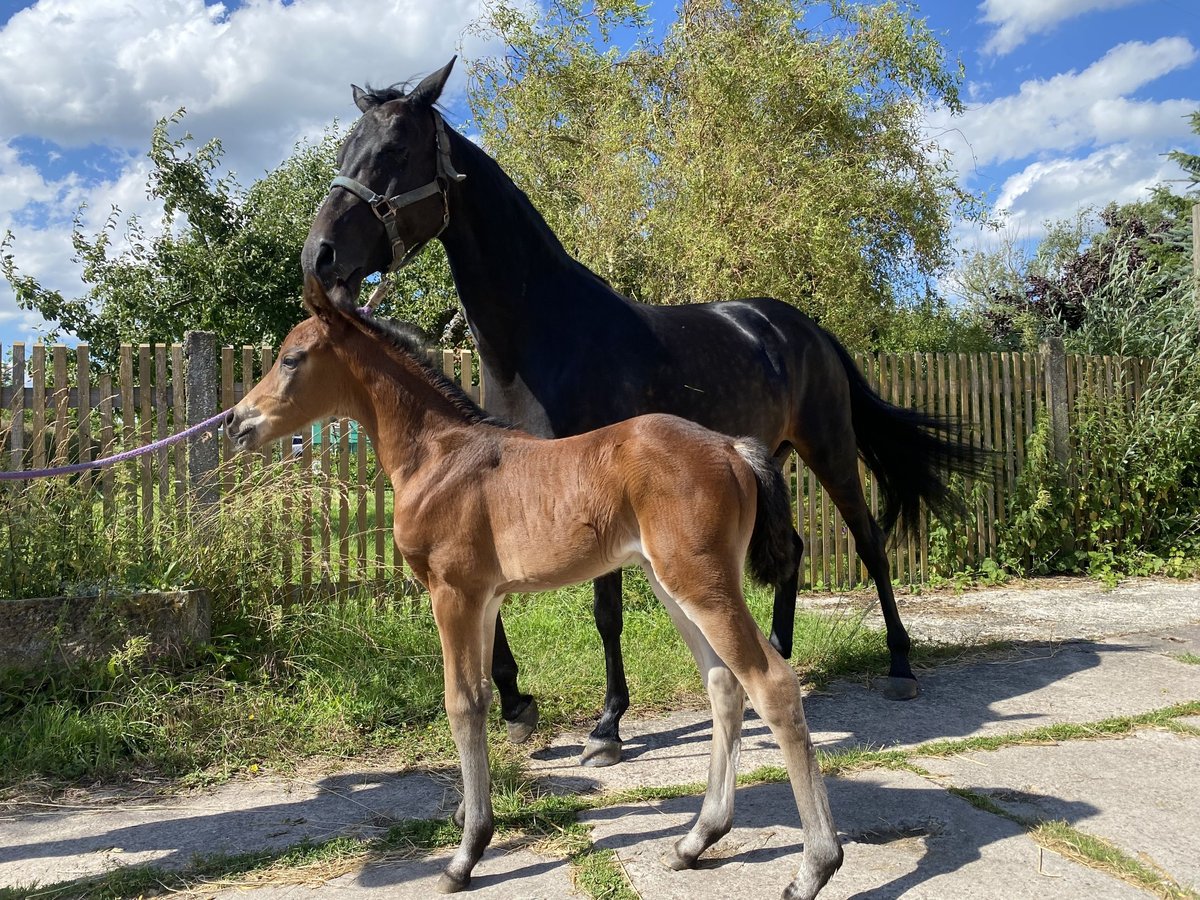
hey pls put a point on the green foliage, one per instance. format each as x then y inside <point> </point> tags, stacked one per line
<point>748,152</point>
<point>1129,503</point>
<point>223,258</point>
<point>1106,281</point>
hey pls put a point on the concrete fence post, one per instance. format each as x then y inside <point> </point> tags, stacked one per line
<point>1054,361</point>
<point>200,366</point>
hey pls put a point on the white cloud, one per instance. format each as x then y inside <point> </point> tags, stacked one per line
<point>1074,110</point>
<point>1047,191</point>
<point>98,73</point>
<point>80,72</point>
<point>1017,20</point>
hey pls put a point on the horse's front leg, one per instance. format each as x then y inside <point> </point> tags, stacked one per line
<point>604,744</point>
<point>520,711</point>
<point>465,626</point>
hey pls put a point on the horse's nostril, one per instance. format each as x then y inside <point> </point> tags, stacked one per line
<point>325,258</point>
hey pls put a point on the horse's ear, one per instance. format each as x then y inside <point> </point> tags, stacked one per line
<point>362,99</point>
<point>316,301</point>
<point>427,92</point>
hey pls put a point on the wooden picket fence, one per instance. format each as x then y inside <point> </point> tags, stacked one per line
<point>56,407</point>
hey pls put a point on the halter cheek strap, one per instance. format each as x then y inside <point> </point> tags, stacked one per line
<point>385,208</point>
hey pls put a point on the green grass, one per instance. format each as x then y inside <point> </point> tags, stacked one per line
<point>1098,853</point>
<point>351,676</point>
<point>1191,659</point>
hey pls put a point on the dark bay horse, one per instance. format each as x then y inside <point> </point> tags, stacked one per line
<point>563,353</point>
<point>482,510</point>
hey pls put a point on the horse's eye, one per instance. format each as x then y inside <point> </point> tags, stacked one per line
<point>291,360</point>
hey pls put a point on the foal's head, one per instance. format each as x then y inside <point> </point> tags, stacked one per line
<point>311,378</point>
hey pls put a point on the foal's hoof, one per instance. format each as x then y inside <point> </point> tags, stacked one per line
<point>448,884</point>
<point>894,688</point>
<point>460,814</point>
<point>599,753</point>
<point>673,859</point>
<point>521,728</point>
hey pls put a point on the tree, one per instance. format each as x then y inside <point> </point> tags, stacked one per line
<point>224,258</point>
<point>745,153</point>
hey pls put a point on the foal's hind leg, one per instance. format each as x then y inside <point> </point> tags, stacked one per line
<point>728,707</point>
<point>604,743</point>
<point>774,690</point>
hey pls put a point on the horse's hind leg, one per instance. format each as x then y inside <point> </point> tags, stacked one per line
<point>604,743</point>
<point>783,613</point>
<point>728,707</point>
<point>520,711</point>
<point>838,474</point>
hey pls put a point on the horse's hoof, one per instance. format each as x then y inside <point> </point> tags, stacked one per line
<point>521,728</point>
<point>599,753</point>
<point>448,884</point>
<point>460,814</point>
<point>894,688</point>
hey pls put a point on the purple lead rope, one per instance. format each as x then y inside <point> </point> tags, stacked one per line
<point>120,457</point>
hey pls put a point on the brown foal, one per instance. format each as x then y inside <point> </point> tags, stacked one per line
<point>482,510</point>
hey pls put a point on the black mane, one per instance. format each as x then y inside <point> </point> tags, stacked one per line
<point>397,91</point>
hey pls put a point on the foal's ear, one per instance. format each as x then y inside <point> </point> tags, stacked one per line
<point>316,301</point>
<point>362,99</point>
<point>427,92</point>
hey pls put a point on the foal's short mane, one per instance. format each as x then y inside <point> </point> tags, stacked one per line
<point>408,341</point>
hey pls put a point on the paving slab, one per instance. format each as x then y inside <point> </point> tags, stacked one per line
<point>1138,792</point>
<point>502,874</point>
<point>1045,609</point>
<point>46,844</point>
<point>902,836</point>
<point>1031,686</point>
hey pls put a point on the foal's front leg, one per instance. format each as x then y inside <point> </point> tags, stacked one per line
<point>465,625</point>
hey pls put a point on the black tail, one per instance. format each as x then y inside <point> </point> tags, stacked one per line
<point>912,454</point>
<point>773,556</point>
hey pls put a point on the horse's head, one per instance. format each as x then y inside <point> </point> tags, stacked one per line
<point>389,198</point>
<point>310,379</point>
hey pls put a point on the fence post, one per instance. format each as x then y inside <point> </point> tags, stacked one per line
<point>200,366</point>
<point>1054,358</point>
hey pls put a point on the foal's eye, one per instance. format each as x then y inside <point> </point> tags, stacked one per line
<point>291,360</point>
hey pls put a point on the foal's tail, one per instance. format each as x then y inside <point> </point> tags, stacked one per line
<point>912,454</point>
<point>774,554</point>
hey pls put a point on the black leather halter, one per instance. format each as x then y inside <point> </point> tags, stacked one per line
<point>385,208</point>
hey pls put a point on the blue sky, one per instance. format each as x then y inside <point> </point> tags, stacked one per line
<point>1071,103</point>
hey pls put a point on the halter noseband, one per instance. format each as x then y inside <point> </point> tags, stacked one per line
<point>385,208</point>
